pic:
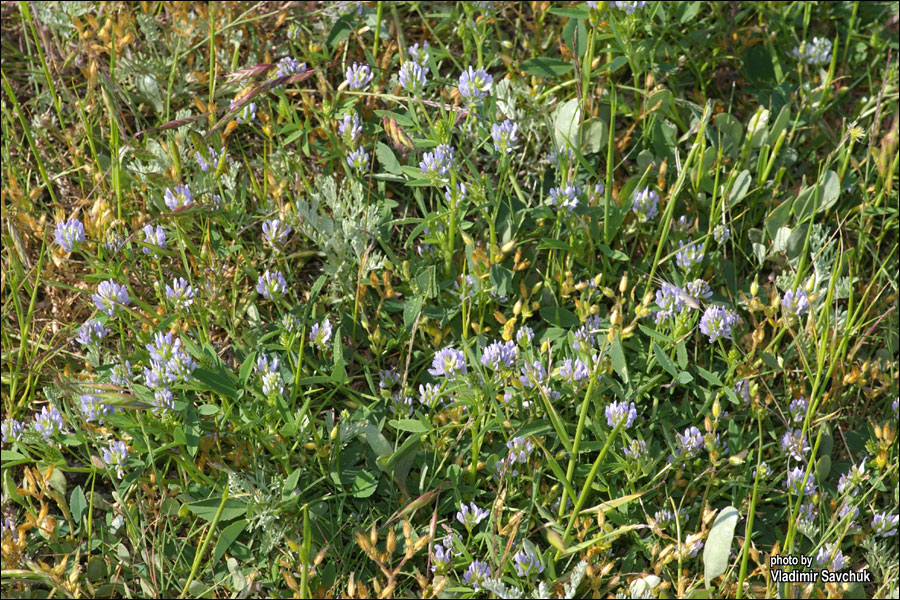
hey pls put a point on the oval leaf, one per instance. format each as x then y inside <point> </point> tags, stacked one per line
<point>718,544</point>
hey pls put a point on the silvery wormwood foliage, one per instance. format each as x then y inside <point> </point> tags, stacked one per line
<point>337,220</point>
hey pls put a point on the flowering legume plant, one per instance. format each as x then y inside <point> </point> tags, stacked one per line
<point>484,299</point>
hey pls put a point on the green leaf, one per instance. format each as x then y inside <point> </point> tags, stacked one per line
<point>339,374</point>
<point>339,32</point>
<point>410,425</point>
<point>227,537</point>
<point>718,544</point>
<point>501,279</point>
<point>218,381</point>
<point>547,67</point>
<point>206,509</point>
<point>387,159</point>
<point>364,484</point>
<point>411,310</point>
<point>77,504</point>
<point>685,378</point>
<point>573,13</point>
<point>617,355</point>
<point>567,123</point>
<point>740,188</point>
<point>708,376</point>
<point>612,254</point>
<point>11,458</point>
<point>665,362</point>
<point>559,316</point>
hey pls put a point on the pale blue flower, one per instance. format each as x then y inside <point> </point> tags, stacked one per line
<point>499,355</point>
<point>91,332</point>
<point>795,481</point>
<point>645,204</point>
<point>320,333</point>
<point>94,409</point>
<point>689,255</point>
<point>349,129</point>
<point>471,515</point>
<point>413,77</point>
<point>527,563</point>
<point>180,195</point>
<point>114,457</point>
<point>271,284</point>
<point>358,76</point>
<point>358,160</point>
<point>448,363</point>
<point>884,525</point>
<point>795,303</point>
<point>505,136</point>
<point>275,232</point>
<point>69,234</point>
<point>477,573</point>
<point>815,52</point>
<point>717,322</point>
<point>620,412</point>
<point>180,293</point>
<point>155,238</point>
<point>474,84</point>
<point>48,422</point>
<point>111,296</point>
<point>11,431</point>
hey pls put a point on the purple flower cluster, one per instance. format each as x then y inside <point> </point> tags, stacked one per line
<point>499,355</point>
<point>645,205</point>
<point>670,299</point>
<point>413,77</point>
<point>885,525</point>
<point>429,394</point>
<point>698,289</point>
<point>474,84</point>
<point>155,238</point>
<point>717,322</point>
<point>519,451</point>
<point>442,558</point>
<point>271,284</point>
<point>527,563</point>
<point>180,293</point>
<point>477,573</point>
<point>620,412</point>
<point>852,479</point>
<point>90,332</point>
<point>448,363</point>
<point>275,233</point>
<point>417,54</point>
<point>111,296</point>
<point>574,372</point>
<point>635,449</point>
<point>169,364</point>
<point>689,444</point>
<point>69,233</point>
<point>629,6</point>
<point>214,156</point>
<point>11,430</point>
<point>114,457</point>
<point>795,303</point>
<point>795,481</point>
<point>288,66</point>
<point>665,517</point>
<point>798,409</point>
<point>505,136</point>
<point>94,409</point>
<point>358,160</point>
<point>272,384</point>
<point>524,335</point>
<point>438,164</point>
<point>564,197</point>
<point>471,515</point>
<point>349,128</point>
<point>689,254</point>
<point>48,422</point>
<point>320,333</point>
<point>180,195</point>
<point>794,443</point>
<point>830,557</point>
<point>721,233</point>
<point>359,76</point>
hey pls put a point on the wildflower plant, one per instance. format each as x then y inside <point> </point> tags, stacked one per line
<point>627,296</point>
